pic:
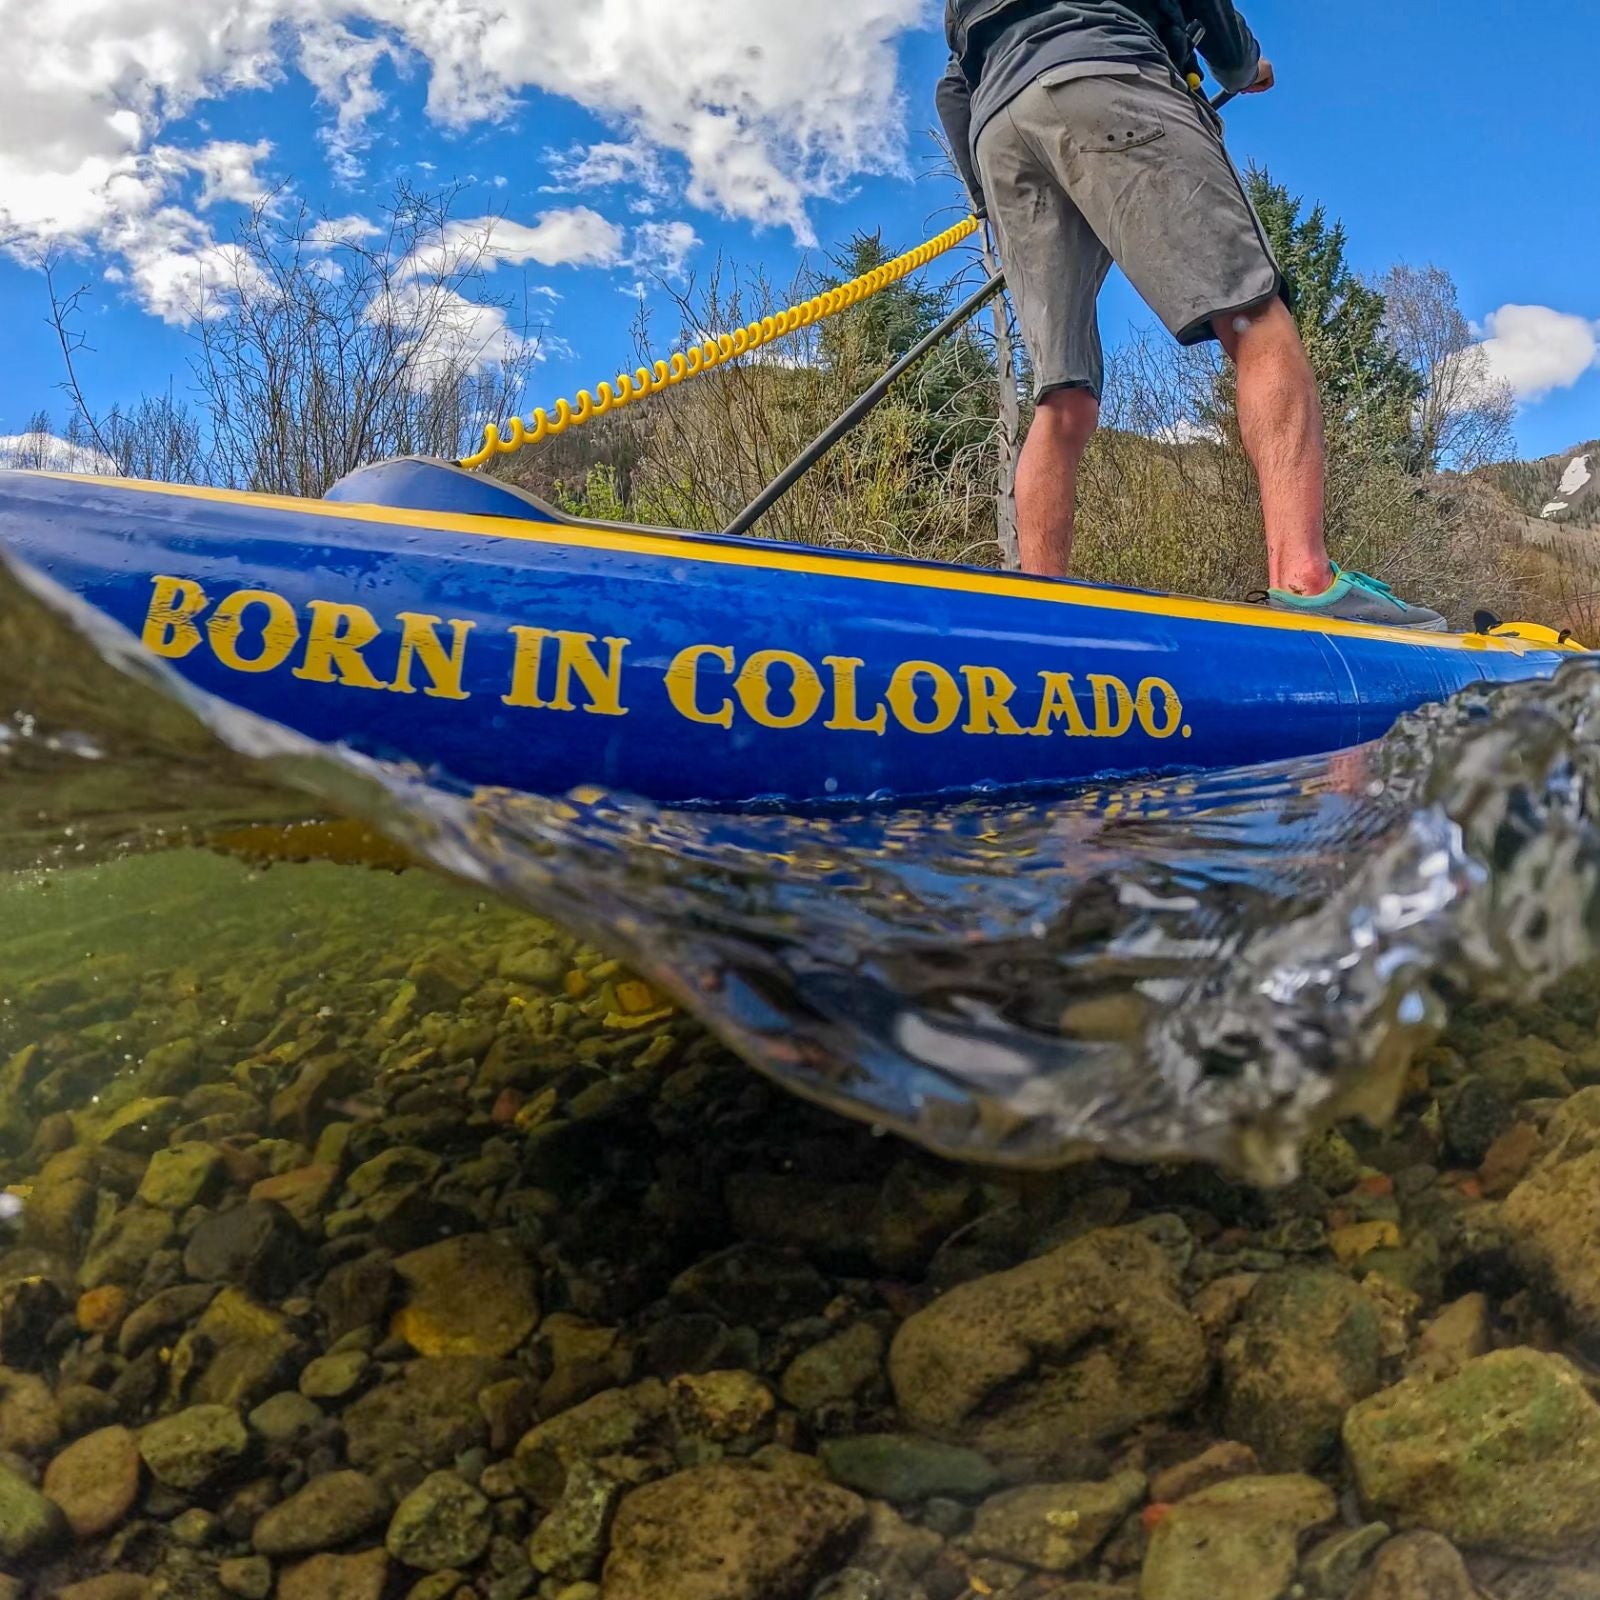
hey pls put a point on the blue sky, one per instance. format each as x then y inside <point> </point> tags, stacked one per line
<point>1462,134</point>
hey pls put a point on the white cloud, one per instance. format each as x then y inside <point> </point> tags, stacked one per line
<point>576,238</point>
<point>451,332</point>
<point>606,165</point>
<point>1187,431</point>
<point>227,171</point>
<point>48,452</point>
<point>767,104</point>
<point>663,248</point>
<point>1537,350</point>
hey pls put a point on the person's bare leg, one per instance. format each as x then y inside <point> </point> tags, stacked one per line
<point>1047,479</point>
<point>1280,421</point>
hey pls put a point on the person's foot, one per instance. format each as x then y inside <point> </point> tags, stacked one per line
<point>1355,597</point>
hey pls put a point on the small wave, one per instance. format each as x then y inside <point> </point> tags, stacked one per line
<point>1198,968</point>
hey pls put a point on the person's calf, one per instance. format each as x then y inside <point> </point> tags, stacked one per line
<point>1064,421</point>
<point>1280,423</point>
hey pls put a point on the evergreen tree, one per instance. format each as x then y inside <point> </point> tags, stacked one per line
<point>1369,392</point>
<point>951,390</point>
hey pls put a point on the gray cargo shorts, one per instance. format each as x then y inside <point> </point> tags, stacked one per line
<point>1113,161</point>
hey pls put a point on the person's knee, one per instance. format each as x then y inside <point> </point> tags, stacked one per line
<point>1270,326</point>
<point>1068,418</point>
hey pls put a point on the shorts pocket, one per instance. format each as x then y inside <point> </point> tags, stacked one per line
<point>1108,115</point>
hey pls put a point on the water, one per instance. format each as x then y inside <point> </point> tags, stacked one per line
<point>1205,967</point>
<point>381,1127</point>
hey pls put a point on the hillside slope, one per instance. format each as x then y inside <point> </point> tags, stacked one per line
<point>1560,489</point>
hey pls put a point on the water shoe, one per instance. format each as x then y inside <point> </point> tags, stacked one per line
<point>1355,597</point>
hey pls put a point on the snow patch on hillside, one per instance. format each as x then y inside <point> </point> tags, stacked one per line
<point>1554,506</point>
<point>1576,475</point>
<point>46,452</point>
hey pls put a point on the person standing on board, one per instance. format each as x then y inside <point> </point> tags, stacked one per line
<point>1076,131</point>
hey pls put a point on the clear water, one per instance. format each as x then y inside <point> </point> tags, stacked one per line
<point>1203,968</point>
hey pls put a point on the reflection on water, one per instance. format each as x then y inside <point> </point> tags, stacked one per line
<point>365,1234</point>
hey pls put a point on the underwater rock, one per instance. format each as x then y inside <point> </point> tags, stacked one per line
<point>121,1249</point>
<point>357,1294</point>
<point>1329,1569</point>
<point>285,1417</point>
<point>1054,1526</point>
<point>1033,1365</point>
<point>835,1370</point>
<point>30,1419</point>
<point>444,1522</point>
<point>244,1351</point>
<point>329,1577</point>
<point>1419,1451</point>
<point>248,1577</point>
<point>193,1449</point>
<point>30,1525</point>
<point>186,1175</point>
<point>475,1295</point>
<point>1458,1334</point>
<point>1303,1351</point>
<point>95,1481</point>
<point>616,1422</point>
<point>753,1283</point>
<point>731,1408</point>
<point>255,1245</point>
<point>1550,1216</point>
<point>570,1541</point>
<point>330,1511</point>
<point>162,1314</point>
<point>100,1310</point>
<point>1229,1459</point>
<point>1238,1539</point>
<point>335,1377</point>
<point>729,1533</point>
<point>428,1415</point>
<point>904,1468</point>
<point>1416,1566</point>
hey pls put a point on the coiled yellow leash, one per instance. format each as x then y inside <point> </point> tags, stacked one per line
<point>710,353</point>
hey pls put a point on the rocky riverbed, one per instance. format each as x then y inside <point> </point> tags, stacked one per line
<point>363,1241</point>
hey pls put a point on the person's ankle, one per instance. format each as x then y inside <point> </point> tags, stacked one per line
<point>1307,580</point>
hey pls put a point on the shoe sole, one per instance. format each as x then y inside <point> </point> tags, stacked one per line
<point>1441,626</point>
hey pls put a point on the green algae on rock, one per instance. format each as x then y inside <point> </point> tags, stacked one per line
<point>1502,1454</point>
<point>904,1468</point>
<point>728,1533</point>
<point>1054,1526</point>
<point>1240,1539</point>
<point>1303,1352</point>
<point>1034,1365</point>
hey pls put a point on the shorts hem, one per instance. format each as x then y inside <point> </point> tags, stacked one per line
<point>1043,389</point>
<point>1202,330</point>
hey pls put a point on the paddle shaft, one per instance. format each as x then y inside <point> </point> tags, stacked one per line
<point>858,412</point>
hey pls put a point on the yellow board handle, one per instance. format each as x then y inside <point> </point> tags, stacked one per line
<point>1537,633</point>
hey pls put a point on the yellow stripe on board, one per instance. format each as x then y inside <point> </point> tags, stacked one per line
<point>784,558</point>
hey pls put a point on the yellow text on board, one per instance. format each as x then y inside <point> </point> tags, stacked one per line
<point>568,670</point>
